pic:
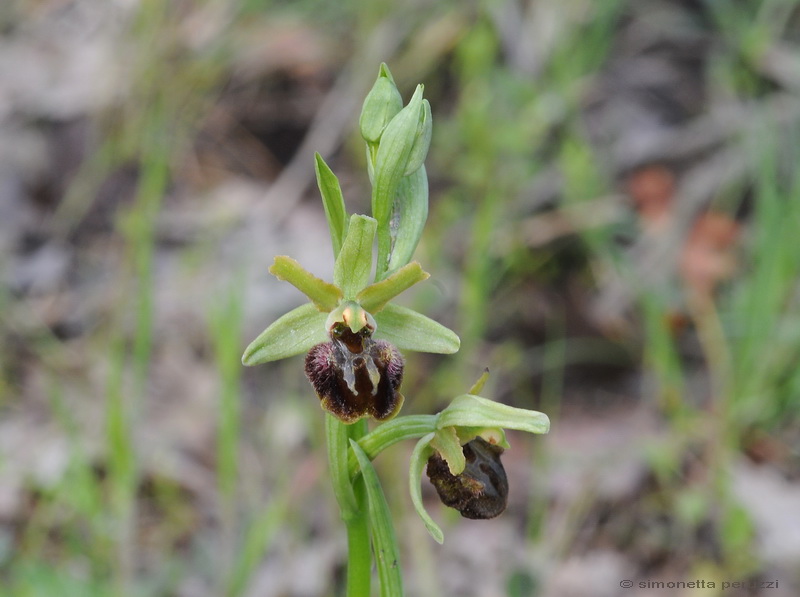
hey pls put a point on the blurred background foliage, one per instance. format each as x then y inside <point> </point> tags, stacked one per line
<point>615,208</point>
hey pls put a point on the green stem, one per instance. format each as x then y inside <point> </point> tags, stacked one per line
<point>359,552</point>
<point>391,432</point>
<point>352,503</point>
<point>337,439</point>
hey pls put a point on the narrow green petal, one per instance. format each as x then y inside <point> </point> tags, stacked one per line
<point>353,267</point>
<point>478,385</point>
<point>419,459</point>
<point>446,442</point>
<point>409,330</point>
<point>384,540</point>
<point>494,435</point>
<point>324,295</point>
<point>332,201</point>
<point>294,333</point>
<point>375,296</point>
<point>474,411</point>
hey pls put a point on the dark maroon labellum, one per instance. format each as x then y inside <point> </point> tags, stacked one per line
<point>356,376</point>
<point>481,490</point>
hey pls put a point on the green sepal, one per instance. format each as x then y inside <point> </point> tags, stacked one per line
<point>294,333</point>
<point>422,140</point>
<point>382,103</point>
<point>419,459</point>
<point>448,444</point>
<point>474,411</point>
<point>411,211</point>
<point>384,540</point>
<point>332,201</point>
<point>375,296</point>
<point>409,330</point>
<point>324,295</point>
<point>353,266</point>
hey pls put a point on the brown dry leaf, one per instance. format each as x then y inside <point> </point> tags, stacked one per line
<point>708,256</point>
<point>652,189</point>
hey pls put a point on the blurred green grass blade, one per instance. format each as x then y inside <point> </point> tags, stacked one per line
<point>384,541</point>
<point>332,201</point>
<point>258,537</point>
<point>353,267</point>
<point>292,334</point>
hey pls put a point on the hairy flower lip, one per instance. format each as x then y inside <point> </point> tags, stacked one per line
<point>355,376</point>
<point>480,492</point>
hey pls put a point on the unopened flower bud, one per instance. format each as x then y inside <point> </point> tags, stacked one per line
<point>481,490</point>
<point>382,103</point>
<point>422,140</point>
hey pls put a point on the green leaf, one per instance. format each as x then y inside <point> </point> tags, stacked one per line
<point>294,333</point>
<point>419,459</point>
<point>410,213</point>
<point>474,411</point>
<point>324,295</point>
<point>409,330</point>
<point>353,267</point>
<point>332,201</point>
<point>375,296</point>
<point>384,540</point>
<point>446,442</point>
<point>382,103</point>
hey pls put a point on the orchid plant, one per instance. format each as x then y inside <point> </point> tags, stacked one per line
<point>353,335</point>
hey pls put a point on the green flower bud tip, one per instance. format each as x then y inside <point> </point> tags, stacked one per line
<point>422,140</point>
<point>382,103</point>
<point>481,490</point>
